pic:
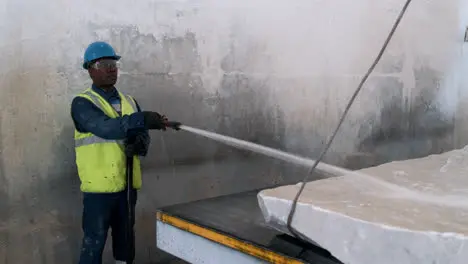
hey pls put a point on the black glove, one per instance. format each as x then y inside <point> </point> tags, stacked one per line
<point>130,150</point>
<point>137,146</point>
<point>154,120</point>
<point>130,146</point>
<point>141,144</point>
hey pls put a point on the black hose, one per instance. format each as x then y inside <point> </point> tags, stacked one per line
<point>351,101</point>
<point>130,209</point>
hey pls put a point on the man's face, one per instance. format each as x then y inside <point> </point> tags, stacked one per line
<point>104,72</point>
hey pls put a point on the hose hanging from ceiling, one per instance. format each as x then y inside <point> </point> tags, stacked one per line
<point>343,116</point>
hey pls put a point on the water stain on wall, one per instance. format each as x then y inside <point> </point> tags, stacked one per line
<point>417,131</point>
<point>247,111</point>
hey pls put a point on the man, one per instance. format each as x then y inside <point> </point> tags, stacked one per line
<point>105,121</point>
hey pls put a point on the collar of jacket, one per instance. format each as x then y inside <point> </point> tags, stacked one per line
<point>108,95</point>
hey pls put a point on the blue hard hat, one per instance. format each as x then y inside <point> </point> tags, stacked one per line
<point>97,50</point>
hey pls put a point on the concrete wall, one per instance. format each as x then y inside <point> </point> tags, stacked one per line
<point>277,73</point>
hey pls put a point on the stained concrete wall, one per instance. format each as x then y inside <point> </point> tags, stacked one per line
<point>277,73</point>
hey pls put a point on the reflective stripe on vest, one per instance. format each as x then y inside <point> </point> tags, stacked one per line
<point>95,140</point>
<point>96,100</point>
<point>132,103</point>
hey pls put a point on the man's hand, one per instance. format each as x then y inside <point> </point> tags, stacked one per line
<point>137,146</point>
<point>154,120</point>
<point>130,149</point>
<point>142,144</point>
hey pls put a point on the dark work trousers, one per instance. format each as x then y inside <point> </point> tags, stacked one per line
<point>102,211</point>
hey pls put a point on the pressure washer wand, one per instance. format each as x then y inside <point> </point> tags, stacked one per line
<point>172,124</point>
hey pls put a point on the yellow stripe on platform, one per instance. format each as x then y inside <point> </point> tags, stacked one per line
<point>228,241</point>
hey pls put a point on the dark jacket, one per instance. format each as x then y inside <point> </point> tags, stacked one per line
<point>89,118</point>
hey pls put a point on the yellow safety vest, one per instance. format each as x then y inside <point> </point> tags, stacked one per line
<point>102,163</point>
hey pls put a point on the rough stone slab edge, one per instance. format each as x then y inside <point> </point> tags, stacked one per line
<point>355,241</point>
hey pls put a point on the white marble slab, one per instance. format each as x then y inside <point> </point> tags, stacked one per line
<point>412,211</point>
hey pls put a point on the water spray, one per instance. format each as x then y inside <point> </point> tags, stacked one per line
<point>267,151</point>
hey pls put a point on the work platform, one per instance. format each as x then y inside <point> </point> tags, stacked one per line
<point>230,229</point>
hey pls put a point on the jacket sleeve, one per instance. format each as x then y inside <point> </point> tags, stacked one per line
<point>89,118</point>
